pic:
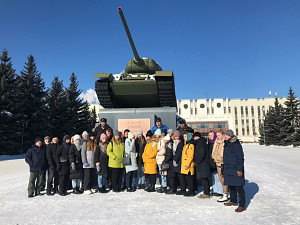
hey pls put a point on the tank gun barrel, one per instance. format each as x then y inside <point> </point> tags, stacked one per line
<point>136,55</point>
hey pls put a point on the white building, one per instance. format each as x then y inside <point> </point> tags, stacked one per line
<point>243,116</point>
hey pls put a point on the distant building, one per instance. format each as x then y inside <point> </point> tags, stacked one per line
<point>243,116</point>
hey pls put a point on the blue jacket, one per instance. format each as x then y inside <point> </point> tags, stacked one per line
<point>233,158</point>
<point>36,159</point>
<point>164,129</point>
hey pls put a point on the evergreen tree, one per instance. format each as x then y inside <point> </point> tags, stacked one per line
<point>74,105</point>
<point>31,112</point>
<point>86,122</point>
<point>94,117</point>
<point>290,123</point>
<point>57,109</point>
<point>9,134</point>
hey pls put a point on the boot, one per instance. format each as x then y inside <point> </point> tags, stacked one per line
<point>240,209</point>
<point>190,193</point>
<point>48,192</point>
<point>230,204</point>
<point>151,188</point>
<point>181,192</point>
<point>204,196</point>
<point>224,198</point>
<point>171,192</point>
<point>38,193</point>
<point>162,190</point>
<point>30,195</point>
<point>103,190</point>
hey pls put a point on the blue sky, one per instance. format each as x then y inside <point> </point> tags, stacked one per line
<point>216,48</point>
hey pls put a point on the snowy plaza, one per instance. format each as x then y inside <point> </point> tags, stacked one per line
<point>272,195</point>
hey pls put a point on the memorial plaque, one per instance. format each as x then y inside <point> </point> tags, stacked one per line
<point>134,125</point>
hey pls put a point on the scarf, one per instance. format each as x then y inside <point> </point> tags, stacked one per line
<point>213,140</point>
<point>78,145</point>
<point>103,147</point>
<point>217,152</point>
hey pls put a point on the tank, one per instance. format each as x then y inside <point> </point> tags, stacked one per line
<point>143,84</point>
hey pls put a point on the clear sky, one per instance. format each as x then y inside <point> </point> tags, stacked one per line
<point>216,48</point>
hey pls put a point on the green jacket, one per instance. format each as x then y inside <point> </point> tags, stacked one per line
<point>115,153</point>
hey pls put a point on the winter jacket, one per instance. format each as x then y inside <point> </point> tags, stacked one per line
<point>187,159</point>
<point>36,159</point>
<point>177,157</point>
<point>211,162</point>
<point>102,158</point>
<point>130,151</point>
<point>161,151</point>
<point>139,147</point>
<point>99,130</point>
<point>203,169</point>
<point>164,129</point>
<point>169,158</point>
<point>149,157</point>
<point>217,153</point>
<point>233,158</point>
<point>88,156</point>
<point>75,156</point>
<point>62,154</point>
<point>185,129</point>
<point>51,154</point>
<point>115,153</point>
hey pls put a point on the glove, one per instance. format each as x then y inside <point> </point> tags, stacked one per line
<point>86,164</point>
<point>58,167</point>
<point>73,165</point>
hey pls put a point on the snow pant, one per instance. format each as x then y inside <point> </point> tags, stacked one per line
<point>52,175</point>
<point>129,177</point>
<point>141,175</point>
<point>234,190</point>
<point>182,182</point>
<point>102,181</point>
<point>151,179</point>
<point>116,179</point>
<point>217,186</point>
<point>205,185</point>
<point>162,177</point>
<point>89,177</point>
<point>76,183</point>
<point>173,181</point>
<point>221,178</point>
<point>189,179</point>
<point>35,182</point>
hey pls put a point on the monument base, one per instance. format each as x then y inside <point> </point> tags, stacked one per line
<point>136,119</point>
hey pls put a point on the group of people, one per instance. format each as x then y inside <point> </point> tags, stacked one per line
<point>180,161</point>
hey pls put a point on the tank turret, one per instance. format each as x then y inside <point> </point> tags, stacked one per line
<point>143,84</point>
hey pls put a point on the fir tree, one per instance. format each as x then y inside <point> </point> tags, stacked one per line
<point>57,109</point>
<point>9,134</point>
<point>86,121</point>
<point>31,112</point>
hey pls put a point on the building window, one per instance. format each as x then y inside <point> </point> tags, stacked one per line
<point>220,125</point>
<point>191,110</point>
<point>212,110</point>
<point>243,131</point>
<point>236,118</point>
<point>179,111</point>
<point>252,112</point>
<point>237,131</point>
<point>263,109</point>
<point>207,110</point>
<point>258,112</point>
<point>224,109</point>
<point>229,110</point>
<point>246,110</point>
<point>202,126</point>
<point>196,111</point>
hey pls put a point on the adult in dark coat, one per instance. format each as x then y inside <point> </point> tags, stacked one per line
<point>37,161</point>
<point>76,172</point>
<point>169,160</point>
<point>53,167</point>
<point>203,170</point>
<point>63,160</point>
<point>184,128</point>
<point>233,159</point>
<point>177,166</point>
<point>140,143</point>
<point>101,128</point>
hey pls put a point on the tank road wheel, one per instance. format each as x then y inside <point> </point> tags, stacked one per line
<point>166,92</point>
<point>103,93</point>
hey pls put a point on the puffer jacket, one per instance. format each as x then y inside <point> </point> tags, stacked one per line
<point>130,151</point>
<point>115,153</point>
<point>161,151</point>
<point>187,159</point>
<point>149,157</point>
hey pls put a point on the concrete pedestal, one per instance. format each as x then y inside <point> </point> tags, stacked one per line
<point>136,119</point>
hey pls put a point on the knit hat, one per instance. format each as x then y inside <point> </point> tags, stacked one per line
<point>37,140</point>
<point>196,134</point>
<point>157,132</point>
<point>86,134</point>
<point>181,121</point>
<point>127,130</point>
<point>66,137</point>
<point>130,135</point>
<point>176,133</point>
<point>76,137</point>
<point>47,137</point>
<point>229,132</point>
<point>103,136</point>
<point>167,137</point>
<point>92,134</point>
<point>149,133</point>
<point>103,120</point>
<point>170,131</point>
<point>117,133</point>
<point>158,119</point>
<point>140,132</point>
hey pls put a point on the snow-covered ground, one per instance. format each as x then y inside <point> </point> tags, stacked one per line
<point>272,192</point>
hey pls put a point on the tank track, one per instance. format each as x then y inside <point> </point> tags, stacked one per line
<point>166,92</point>
<point>103,93</point>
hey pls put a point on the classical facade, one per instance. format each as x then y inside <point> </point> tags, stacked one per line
<point>243,116</point>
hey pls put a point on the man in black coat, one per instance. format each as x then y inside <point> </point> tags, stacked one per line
<point>54,166</point>
<point>101,128</point>
<point>233,162</point>
<point>203,171</point>
<point>184,128</point>
<point>36,159</point>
